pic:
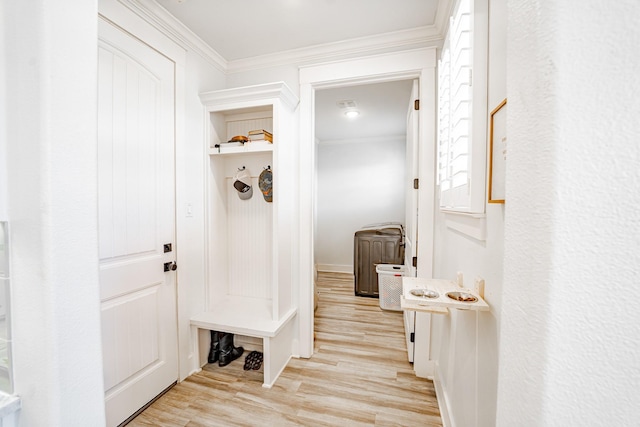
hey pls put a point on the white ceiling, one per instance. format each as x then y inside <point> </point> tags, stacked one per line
<point>241,29</point>
<point>383,111</point>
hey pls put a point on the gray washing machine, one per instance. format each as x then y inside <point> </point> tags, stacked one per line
<point>374,244</point>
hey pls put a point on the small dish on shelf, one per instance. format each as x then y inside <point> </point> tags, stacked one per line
<point>424,293</point>
<point>462,296</point>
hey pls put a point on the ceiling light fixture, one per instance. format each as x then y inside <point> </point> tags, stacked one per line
<point>349,108</point>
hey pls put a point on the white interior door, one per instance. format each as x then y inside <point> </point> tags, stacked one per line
<point>137,218</point>
<point>411,194</point>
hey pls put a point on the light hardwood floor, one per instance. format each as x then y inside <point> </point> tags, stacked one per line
<point>358,376</point>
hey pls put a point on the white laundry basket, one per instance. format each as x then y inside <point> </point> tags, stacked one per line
<point>390,285</point>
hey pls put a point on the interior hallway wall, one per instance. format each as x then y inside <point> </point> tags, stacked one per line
<point>192,168</point>
<point>466,344</point>
<point>359,183</point>
<point>50,67</point>
<point>569,337</point>
<point>3,124</point>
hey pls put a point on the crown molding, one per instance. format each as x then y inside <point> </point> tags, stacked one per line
<point>445,9</point>
<point>413,38</point>
<point>257,93</point>
<point>165,22</point>
<point>404,39</point>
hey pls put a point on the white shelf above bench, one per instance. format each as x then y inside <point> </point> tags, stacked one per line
<point>244,149</point>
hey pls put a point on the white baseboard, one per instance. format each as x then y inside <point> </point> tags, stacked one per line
<point>424,369</point>
<point>335,268</point>
<point>441,395</point>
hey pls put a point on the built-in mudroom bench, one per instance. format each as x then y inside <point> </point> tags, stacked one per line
<point>251,222</point>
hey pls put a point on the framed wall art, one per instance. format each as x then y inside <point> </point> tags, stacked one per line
<point>497,153</point>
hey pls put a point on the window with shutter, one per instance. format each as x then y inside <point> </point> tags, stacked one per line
<point>462,110</point>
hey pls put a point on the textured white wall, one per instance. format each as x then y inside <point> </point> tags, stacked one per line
<point>3,126</point>
<point>358,184</point>
<point>52,206</point>
<point>569,338</point>
<point>50,68</point>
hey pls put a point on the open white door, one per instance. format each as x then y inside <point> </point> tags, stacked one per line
<point>136,192</point>
<point>411,207</point>
<point>411,193</point>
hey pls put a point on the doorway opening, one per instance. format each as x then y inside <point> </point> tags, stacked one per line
<point>363,172</point>
<point>360,165</point>
<point>418,64</point>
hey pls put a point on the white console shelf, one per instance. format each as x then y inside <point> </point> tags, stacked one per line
<point>417,312</point>
<point>250,262</point>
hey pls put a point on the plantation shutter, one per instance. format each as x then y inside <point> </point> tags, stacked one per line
<point>454,111</point>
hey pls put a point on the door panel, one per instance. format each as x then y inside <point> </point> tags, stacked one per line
<point>136,206</point>
<point>138,350</point>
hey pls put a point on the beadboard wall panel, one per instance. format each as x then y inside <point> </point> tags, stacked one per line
<point>250,237</point>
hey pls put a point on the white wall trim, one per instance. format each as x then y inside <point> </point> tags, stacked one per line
<point>441,396</point>
<point>166,23</point>
<point>473,225</point>
<point>222,99</point>
<point>419,37</point>
<point>335,268</point>
<point>363,46</point>
<point>399,65</point>
<point>411,64</point>
<point>445,8</point>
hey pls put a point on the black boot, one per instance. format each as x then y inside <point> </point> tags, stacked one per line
<point>228,353</point>
<point>214,351</point>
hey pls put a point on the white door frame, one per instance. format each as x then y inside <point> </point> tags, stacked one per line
<point>410,64</point>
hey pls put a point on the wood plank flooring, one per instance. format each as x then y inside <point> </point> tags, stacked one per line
<point>358,376</point>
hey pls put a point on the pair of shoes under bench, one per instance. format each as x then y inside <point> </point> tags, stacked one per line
<point>253,361</point>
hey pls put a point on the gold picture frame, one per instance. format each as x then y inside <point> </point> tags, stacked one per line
<point>497,153</point>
